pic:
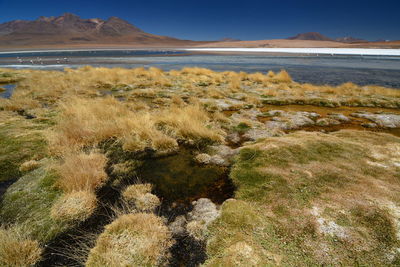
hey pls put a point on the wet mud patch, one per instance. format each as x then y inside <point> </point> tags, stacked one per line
<point>187,252</point>
<point>4,185</point>
<point>348,126</point>
<point>178,179</point>
<point>72,247</point>
<point>324,112</point>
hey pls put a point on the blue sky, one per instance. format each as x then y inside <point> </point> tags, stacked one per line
<point>246,20</point>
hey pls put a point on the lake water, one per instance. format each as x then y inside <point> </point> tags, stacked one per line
<point>333,70</point>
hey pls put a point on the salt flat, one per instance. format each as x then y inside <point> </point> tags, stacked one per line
<point>325,51</point>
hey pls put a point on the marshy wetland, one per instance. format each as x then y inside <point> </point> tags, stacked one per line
<point>193,167</point>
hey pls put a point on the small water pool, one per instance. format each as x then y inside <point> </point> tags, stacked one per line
<point>9,88</point>
<point>179,179</point>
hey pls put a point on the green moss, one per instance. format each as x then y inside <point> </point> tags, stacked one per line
<point>19,141</point>
<point>379,222</point>
<point>242,128</point>
<point>243,223</point>
<point>237,222</point>
<point>9,77</point>
<point>27,203</point>
<point>255,182</point>
<point>279,180</point>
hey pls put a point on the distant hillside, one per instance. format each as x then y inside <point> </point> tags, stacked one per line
<point>227,39</point>
<point>71,29</point>
<point>312,36</point>
<point>350,40</point>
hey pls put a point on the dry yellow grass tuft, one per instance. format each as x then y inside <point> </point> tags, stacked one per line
<point>74,207</point>
<point>190,122</point>
<point>282,77</point>
<point>140,197</point>
<point>86,122</point>
<point>29,165</point>
<point>16,250</point>
<point>132,240</point>
<point>197,71</point>
<point>136,190</point>
<point>82,171</point>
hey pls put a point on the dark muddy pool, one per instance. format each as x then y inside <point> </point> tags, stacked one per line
<point>179,179</point>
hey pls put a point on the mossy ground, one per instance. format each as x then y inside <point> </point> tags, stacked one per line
<point>20,140</point>
<point>27,203</point>
<point>299,203</point>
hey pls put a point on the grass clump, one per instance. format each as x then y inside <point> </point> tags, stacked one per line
<point>74,207</point>
<point>139,239</point>
<point>140,197</point>
<point>82,172</point>
<point>17,250</point>
<point>190,123</point>
<point>136,190</point>
<point>29,165</point>
<point>6,76</point>
<point>80,176</point>
<point>89,122</point>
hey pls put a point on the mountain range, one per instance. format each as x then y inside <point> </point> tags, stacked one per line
<point>71,29</point>
<point>316,36</point>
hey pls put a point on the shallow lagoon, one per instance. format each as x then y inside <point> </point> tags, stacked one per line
<point>327,69</point>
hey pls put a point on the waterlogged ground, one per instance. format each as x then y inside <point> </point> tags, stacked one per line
<point>191,167</point>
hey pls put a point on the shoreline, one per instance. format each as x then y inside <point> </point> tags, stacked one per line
<point>288,51</point>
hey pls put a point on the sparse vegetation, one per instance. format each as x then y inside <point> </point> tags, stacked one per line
<point>132,240</point>
<point>74,207</point>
